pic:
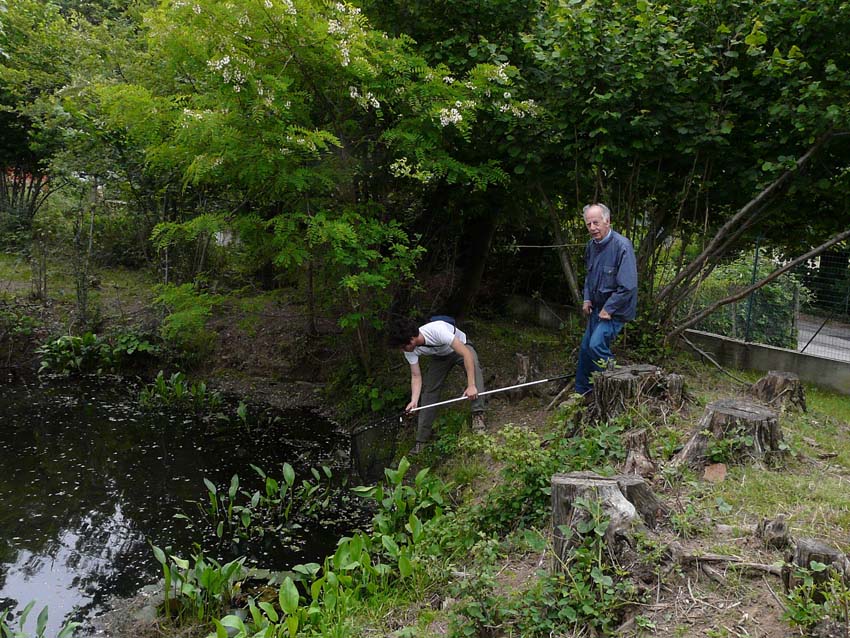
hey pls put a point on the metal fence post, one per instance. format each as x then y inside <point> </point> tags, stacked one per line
<point>750,299</point>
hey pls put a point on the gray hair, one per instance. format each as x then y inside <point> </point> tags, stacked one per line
<point>606,212</point>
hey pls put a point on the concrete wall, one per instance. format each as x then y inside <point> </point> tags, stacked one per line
<point>827,373</point>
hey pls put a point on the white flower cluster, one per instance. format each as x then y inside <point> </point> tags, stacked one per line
<point>449,79</point>
<point>190,114</point>
<point>450,116</point>
<point>244,20</point>
<point>499,74</point>
<point>339,6</point>
<point>218,65</point>
<point>364,100</point>
<point>268,4</point>
<point>521,109</point>
<point>288,7</point>
<point>197,9</point>
<point>343,27</point>
<point>229,74</point>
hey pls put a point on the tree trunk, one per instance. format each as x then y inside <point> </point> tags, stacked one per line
<point>470,279</point>
<point>780,387</point>
<point>732,430</point>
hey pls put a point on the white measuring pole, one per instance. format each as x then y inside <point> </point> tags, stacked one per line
<point>512,387</point>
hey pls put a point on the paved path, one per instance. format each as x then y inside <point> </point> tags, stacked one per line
<point>832,342</point>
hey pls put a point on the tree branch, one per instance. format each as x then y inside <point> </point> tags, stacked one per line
<point>752,207</point>
<point>690,321</point>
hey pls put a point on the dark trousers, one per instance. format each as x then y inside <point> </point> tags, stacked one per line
<point>432,382</point>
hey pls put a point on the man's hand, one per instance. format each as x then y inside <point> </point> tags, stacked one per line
<point>603,314</point>
<point>471,392</point>
<point>586,308</point>
<point>410,406</point>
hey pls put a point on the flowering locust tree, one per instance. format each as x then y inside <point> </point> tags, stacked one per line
<point>300,118</point>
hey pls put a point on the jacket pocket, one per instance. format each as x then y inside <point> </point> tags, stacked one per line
<point>609,279</point>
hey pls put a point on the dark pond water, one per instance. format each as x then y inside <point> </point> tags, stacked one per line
<point>88,480</point>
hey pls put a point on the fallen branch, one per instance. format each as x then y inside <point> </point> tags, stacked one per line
<point>710,358</point>
<point>731,561</point>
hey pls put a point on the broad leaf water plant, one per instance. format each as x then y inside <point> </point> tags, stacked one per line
<point>8,631</point>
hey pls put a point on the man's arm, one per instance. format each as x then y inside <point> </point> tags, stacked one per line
<point>415,386</point>
<point>471,391</point>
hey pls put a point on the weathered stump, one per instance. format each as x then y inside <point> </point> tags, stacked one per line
<point>732,430</point>
<point>774,533</point>
<point>626,501</point>
<point>614,390</point>
<point>675,389</point>
<point>805,552</point>
<point>638,459</point>
<point>780,388</point>
<point>526,371</point>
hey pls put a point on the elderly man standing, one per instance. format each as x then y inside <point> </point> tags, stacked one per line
<point>610,293</point>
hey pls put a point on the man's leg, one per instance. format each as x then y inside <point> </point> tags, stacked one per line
<point>585,365</point>
<point>432,381</point>
<point>599,343</point>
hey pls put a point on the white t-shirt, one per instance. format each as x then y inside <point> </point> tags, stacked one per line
<point>438,339</point>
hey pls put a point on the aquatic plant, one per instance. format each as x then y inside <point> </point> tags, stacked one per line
<point>176,393</point>
<point>6,630</point>
<point>70,354</point>
<point>200,591</point>
<point>236,515</point>
<point>317,599</point>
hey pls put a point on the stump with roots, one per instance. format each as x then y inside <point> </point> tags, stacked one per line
<point>780,389</point>
<point>626,501</point>
<point>732,430</point>
<point>614,390</point>
<point>638,459</point>
<point>805,552</point>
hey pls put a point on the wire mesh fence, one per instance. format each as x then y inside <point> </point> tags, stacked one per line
<point>806,309</point>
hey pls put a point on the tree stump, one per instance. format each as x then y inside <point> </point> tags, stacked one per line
<point>638,459</point>
<point>806,551</point>
<point>774,533</point>
<point>780,388</point>
<point>614,389</point>
<point>626,501</point>
<point>526,371</point>
<point>732,430</point>
<point>675,390</point>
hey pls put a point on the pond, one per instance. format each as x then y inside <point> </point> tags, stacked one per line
<point>89,480</point>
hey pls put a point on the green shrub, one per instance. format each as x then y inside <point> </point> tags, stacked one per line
<point>528,463</point>
<point>70,354</point>
<point>184,328</point>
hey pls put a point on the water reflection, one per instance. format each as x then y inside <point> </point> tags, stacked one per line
<point>87,479</point>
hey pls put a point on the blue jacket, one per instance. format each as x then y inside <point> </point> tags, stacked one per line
<point>611,281</point>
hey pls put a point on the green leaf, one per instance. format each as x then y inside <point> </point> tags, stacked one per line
<point>288,596</point>
<point>288,474</point>
<point>405,567</point>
